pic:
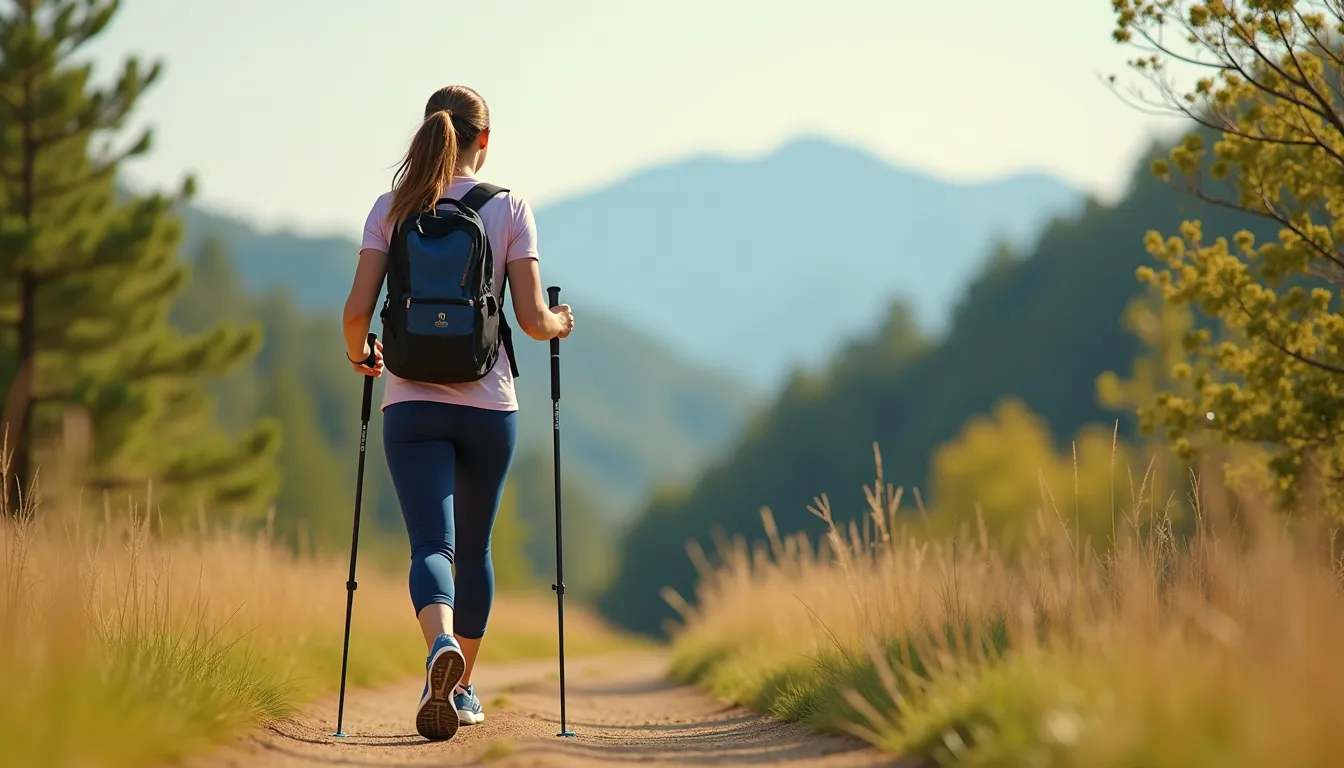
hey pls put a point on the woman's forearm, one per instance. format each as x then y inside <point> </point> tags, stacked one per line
<point>355,328</point>
<point>360,304</point>
<point>550,326</point>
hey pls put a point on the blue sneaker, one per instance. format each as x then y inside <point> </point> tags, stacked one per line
<point>436,718</point>
<point>469,709</point>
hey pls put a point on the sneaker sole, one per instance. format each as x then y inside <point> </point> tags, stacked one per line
<point>470,718</point>
<point>437,718</point>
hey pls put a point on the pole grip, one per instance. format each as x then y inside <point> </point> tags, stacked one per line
<point>553,293</point>
<point>367,406</point>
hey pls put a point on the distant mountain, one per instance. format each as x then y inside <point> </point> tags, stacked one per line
<point>315,272</point>
<point>634,412</point>
<point>753,266</point>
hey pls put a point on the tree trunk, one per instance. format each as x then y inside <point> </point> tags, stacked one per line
<point>26,374</point>
<point>19,406</point>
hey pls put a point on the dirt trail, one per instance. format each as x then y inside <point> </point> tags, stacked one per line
<point>623,709</point>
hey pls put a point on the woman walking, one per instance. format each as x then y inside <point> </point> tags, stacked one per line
<point>449,446</point>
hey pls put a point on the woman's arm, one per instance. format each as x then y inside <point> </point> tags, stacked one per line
<point>359,305</point>
<point>529,305</point>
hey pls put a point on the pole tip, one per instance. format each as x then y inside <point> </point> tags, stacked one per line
<point>568,734</point>
<point>340,735</point>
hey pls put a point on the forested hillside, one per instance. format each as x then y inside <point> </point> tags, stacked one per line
<point>1039,326</point>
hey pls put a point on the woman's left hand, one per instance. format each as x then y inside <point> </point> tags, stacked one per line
<point>376,369</point>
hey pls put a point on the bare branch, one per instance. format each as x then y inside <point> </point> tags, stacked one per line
<point>1264,87</point>
<point>1325,50</point>
<point>1327,108</point>
<point>1272,214</point>
<point>1159,47</point>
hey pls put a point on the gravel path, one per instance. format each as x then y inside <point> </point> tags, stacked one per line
<point>622,708</point>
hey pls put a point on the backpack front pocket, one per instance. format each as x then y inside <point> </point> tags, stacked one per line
<point>441,317</point>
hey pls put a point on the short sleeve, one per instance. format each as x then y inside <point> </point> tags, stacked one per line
<point>376,235</point>
<point>522,233</point>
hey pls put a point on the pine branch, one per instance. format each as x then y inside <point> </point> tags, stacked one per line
<point>251,451</point>
<point>100,173</point>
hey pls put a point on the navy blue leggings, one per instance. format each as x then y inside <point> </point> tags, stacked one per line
<point>448,464</point>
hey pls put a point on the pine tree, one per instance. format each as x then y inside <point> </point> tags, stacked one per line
<point>87,281</point>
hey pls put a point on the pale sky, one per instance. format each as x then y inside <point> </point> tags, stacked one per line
<point>294,112</point>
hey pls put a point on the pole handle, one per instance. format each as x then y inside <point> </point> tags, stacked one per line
<point>367,406</point>
<point>553,293</point>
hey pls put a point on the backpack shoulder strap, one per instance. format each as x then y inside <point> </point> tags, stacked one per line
<point>480,194</point>
<point>475,199</point>
<point>505,332</point>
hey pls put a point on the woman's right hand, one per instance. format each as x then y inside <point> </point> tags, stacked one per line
<point>376,369</point>
<point>565,315</point>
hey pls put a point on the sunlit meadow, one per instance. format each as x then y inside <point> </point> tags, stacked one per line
<point>1215,649</point>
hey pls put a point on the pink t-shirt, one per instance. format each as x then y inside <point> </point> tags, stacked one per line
<point>512,232</point>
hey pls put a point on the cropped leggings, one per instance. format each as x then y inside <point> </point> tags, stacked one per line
<point>448,464</point>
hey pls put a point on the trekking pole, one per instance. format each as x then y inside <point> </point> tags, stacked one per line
<point>554,293</point>
<point>350,584</point>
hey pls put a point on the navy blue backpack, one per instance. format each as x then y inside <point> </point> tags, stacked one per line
<point>442,323</point>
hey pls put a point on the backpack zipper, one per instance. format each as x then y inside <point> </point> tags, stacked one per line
<point>468,302</point>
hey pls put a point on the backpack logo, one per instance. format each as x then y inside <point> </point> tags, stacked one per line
<point>442,322</point>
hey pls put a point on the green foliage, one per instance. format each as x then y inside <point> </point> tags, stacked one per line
<point>1271,371</point>
<point>1162,328</point>
<point>1003,472</point>
<point>86,283</point>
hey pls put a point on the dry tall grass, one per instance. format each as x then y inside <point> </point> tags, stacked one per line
<point>1218,650</point>
<point>121,645</point>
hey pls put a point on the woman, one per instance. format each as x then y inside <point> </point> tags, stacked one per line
<point>449,447</point>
